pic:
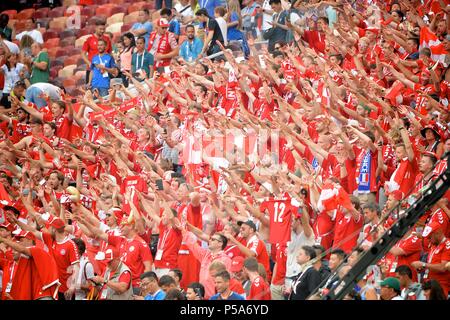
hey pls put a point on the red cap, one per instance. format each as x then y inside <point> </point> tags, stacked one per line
<point>109,254</point>
<point>237,264</point>
<point>57,223</point>
<point>432,227</point>
<point>162,22</point>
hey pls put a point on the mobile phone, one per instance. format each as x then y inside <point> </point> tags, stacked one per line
<point>197,292</point>
<point>159,184</point>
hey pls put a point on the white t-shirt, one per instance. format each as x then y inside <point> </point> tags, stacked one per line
<point>266,17</point>
<point>297,241</point>
<point>223,27</point>
<point>35,34</point>
<point>186,13</point>
<point>13,48</point>
<point>86,272</point>
<point>11,76</point>
<point>52,91</point>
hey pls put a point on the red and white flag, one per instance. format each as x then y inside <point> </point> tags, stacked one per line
<point>430,40</point>
<point>333,196</point>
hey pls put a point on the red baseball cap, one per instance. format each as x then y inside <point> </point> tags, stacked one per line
<point>24,234</point>
<point>108,255</point>
<point>57,223</point>
<point>237,263</point>
<point>162,22</point>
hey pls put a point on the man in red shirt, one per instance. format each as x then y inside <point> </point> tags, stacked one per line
<point>90,47</point>
<point>63,250</point>
<point>438,257</point>
<point>348,226</point>
<point>253,247</point>
<point>35,274</point>
<point>259,289</point>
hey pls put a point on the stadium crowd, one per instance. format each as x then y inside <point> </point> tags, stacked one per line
<point>225,150</point>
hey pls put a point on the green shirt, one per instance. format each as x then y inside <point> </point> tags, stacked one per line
<point>8,32</point>
<point>38,75</point>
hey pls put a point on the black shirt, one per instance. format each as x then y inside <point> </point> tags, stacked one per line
<point>305,284</point>
<point>213,26</point>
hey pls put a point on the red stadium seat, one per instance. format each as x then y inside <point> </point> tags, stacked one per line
<point>25,14</point>
<point>52,50</point>
<point>126,27</point>
<point>57,12</point>
<point>54,71</point>
<point>88,11</point>
<point>81,62</point>
<point>69,82</point>
<point>73,9</point>
<point>50,34</point>
<point>39,15</point>
<point>11,13</point>
<point>136,6</point>
<point>43,22</point>
<point>66,34</point>
<point>51,43</point>
<point>74,51</point>
<point>117,1</point>
<point>43,11</point>
<point>72,60</point>
<point>69,41</point>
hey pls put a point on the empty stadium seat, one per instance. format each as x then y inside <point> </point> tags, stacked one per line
<point>131,18</point>
<point>136,6</point>
<point>69,41</point>
<point>80,41</point>
<point>118,17</point>
<point>116,27</point>
<point>67,71</point>
<point>58,23</point>
<point>72,60</point>
<point>52,50</point>
<point>50,34</point>
<point>57,12</point>
<point>126,27</point>
<point>43,22</point>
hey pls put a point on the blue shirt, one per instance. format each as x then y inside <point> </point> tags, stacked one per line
<point>147,26</point>
<point>159,295</point>
<point>100,80</point>
<point>233,33</point>
<point>174,27</point>
<point>209,5</point>
<point>233,296</point>
<point>189,51</point>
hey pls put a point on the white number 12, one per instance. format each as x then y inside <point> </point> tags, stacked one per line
<point>279,210</point>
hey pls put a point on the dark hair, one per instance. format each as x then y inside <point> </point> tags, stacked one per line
<point>355,202</point>
<point>175,294</point>
<point>59,175</point>
<point>401,14</point>
<point>274,2</point>
<point>4,18</point>
<point>220,10</point>
<point>20,83</point>
<point>370,135</point>
<point>309,251</point>
<point>166,280</point>
<point>146,11</point>
<point>52,125</point>
<point>130,36</point>
<point>178,273</point>
<point>436,291</point>
<point>202,12</point>
<point>324,19</point>
<point>251,264</point>
<point>425,52</point>
<point>80,245</point>
<point>149,274</point>
<point>198,288</point>
<point>320,248</point>
<point>189,26</point>
<point>416,40</point>
<point>34,120</point>
<point>223,239</point>
<point>225,275</point>
<point>101,40</point>
<point>100,23</point>
<point>372,206</point>
<point>165,12</point>
<point>404,270</point>
<point>339,252</point>
<point>432,158</point>
<point>140,38</point>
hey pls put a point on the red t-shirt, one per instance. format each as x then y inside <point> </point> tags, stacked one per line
<point>168,245</point>
<point>124,277</point>
<point>439,254</point>
<point>345,226</point>
<point>129,184</point>
<point>281,261</point>
<point>258,247</point>
<point>133,252</point>
<point>65,254</point>
<point>63,125</point>
<point>259,290</point>
<point>280,211</point>
<point>236,286</point>
<point>91,46</point>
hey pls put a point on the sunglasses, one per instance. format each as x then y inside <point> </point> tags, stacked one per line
<point>108,215</point>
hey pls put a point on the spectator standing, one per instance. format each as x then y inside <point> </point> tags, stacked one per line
<point>11,69</point>
<point>142,61</point>
<point>174,24</point>
<point>142,28</point>
<point>90,46</point>
<point>209,6</point>
<point>234,19</point>
<point>40,70</point>
<point>278,32</point>
<point>102,65</point>
<point>249,13</point>
<point>86,271</point>
<point>191,48</point>
<point>129,45</point>
<point>12,47</point>
<point>214,33</point>
<point>162,45</point>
